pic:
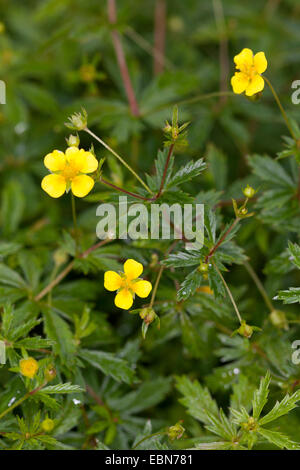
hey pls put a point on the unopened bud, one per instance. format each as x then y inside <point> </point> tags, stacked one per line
<point>203,267</point>
<point>50,373</point>
<point>48,425</point>
<point>73,140</point>
<point>245,330</point>
<point>249,191</point>
<point>148,315</point>
<point>278,319</point>
<point>176,431</point>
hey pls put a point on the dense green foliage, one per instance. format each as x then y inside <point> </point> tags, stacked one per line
<point>106,378</point>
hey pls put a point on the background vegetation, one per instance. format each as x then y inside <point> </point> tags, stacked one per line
<point>58,56</point>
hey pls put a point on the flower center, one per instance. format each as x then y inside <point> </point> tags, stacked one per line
<point>248,70</point>
<point>69,172</point>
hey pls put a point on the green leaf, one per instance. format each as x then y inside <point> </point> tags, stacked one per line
<point>109,364</point>
<point>261,396</point>
<point>11,278</point>
<point>182,259</point>
<point>197,399</point>
<point>287,404</point>
<point>290,296</point>
<point>294,251</point>
<point>187,172</point>
<point>189,285</point>
<point>12,208</point>
<point>278,439</point>
<point>59,331</point>
<point>62,388</point>
<point>270,170</point>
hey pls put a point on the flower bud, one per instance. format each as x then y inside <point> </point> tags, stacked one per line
<point>73,140</point>
<point>176,431</point>
<point>278,319</point>
<point>203,267</point>
<point>245,330</point>
<point>50,373</point>
<point>148,315</point>
<point>78,121</point>
<point>60,257</point>
<point>249,191</point>
<point>48,425</point>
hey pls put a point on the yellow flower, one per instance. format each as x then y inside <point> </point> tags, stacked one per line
<point>68,171</point>
<point>28,367</point>
<point>127,284</point>
<point>250,66</point>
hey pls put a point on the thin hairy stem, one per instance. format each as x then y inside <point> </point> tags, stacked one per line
<point>286,119</point>
<point>229,294</point>
<point>86,129</point>
<point>259,285</point>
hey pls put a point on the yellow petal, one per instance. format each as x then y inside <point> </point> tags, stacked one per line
<point>90,163</point>
<point>124,299</point>
<point>244,58</point>
<point>75,158</point>
<point>260,62</point>
<point>112,280</point>
<point>54,185</point>
<point>132,269</point>
<point>256,85</point>
<point>239,82</point>
<point>55,161</point>
<point>142,288</point>
<point>81,185</point>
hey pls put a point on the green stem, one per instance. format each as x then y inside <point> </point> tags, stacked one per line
<point>119,158</point>
<point>288,124</point>
<point>156,286</point>
<point>149,437</point>
<point>74,219</point>
<point>17,403</point>
<point>229,294</point>
<point>259,285</point>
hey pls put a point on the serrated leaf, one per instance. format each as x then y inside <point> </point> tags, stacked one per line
<point>109,364</point>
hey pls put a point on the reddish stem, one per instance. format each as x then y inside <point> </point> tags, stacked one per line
<point>159,36</point>
<point>112,17</point>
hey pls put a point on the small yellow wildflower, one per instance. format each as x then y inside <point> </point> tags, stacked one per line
<point>250,66</point>
<point>28,367</point>
<point>127,284</point>
<point>68,171</point>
